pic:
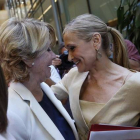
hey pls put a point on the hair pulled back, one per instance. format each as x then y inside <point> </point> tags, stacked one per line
<point>84,26</point>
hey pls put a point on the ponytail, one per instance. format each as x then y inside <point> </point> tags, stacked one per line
<point>120,55</point>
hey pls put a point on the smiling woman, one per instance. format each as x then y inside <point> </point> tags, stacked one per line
<point>25,55</point>
<point>100,91</point>
<point>76,47</point>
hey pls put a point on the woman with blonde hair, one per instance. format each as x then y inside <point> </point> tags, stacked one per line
<point>34,112</point>
<point>100,91</point>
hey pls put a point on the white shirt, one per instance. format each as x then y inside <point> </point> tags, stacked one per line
<point>54,74</point>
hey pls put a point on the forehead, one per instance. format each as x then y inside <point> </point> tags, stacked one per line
<point>70,38</point>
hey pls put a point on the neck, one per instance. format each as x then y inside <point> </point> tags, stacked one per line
<point>103,67</point>
<point>34,86</point>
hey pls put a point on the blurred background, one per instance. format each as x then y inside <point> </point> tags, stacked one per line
<point>60,12</point>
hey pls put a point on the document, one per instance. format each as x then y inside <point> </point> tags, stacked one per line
<point>111,132</point>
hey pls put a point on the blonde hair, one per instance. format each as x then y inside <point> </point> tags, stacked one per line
<point>23,40</point>
<point>85,25</point>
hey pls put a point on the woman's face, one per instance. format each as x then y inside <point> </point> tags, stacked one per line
<point>82,53</point>
<point>41,65</point>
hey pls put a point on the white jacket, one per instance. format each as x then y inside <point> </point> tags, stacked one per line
<point>27,119</point>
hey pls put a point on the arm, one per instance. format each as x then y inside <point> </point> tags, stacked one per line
<point>63,87</point>
<point>60,89</point>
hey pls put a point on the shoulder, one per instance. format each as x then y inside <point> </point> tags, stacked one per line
<point>135,77</point>
<point>74,73</point>
<point>18,106</point>
<point>70,76</point>
<point>73,77</point>
<point>15,101</point>
<point>133,81</point>
<point>19,112</point>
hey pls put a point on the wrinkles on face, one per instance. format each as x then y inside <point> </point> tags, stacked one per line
<point>82,53</point>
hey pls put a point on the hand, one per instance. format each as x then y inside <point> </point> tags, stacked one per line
<point>57,61</point>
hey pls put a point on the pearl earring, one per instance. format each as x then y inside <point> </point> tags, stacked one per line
<point>33,64</point>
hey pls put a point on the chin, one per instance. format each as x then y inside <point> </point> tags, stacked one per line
<point>48,76</point>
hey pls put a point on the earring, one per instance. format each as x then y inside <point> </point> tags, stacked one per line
<point>33,64</point>
<point>98,55</point>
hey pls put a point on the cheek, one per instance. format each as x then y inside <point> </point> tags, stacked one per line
<point>90,54</point>
<point>47,60</point>
<point>90,59</point>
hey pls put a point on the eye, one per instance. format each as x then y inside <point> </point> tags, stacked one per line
<point>48,49</point>
<point>72,48</point>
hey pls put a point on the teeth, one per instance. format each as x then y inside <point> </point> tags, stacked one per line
<point>76,62</point>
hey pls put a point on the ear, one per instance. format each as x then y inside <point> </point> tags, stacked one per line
<point>97,41</point>
<point>28,63</point>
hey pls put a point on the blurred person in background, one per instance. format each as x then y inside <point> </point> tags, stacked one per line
<point>133,55</point>
<point>34,112</point>
<point>99,90</point>
<point>61,61</point>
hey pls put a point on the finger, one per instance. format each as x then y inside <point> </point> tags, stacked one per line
<point>57,56</point>
<point>56,63</point>
<point>56,59</point>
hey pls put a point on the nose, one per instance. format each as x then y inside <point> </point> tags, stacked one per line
<point>70,57</point>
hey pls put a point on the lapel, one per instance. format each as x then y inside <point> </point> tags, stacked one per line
<point>59,106</point>
<point>74,100</point>
<point>44,119</point>
<point>111,106</point>
<point>116,103</point>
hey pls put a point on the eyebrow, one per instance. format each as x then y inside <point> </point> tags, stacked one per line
<point>69,46</point>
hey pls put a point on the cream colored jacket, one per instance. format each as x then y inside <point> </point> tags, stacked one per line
<point>27,119</point>
<point>122,109</point>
